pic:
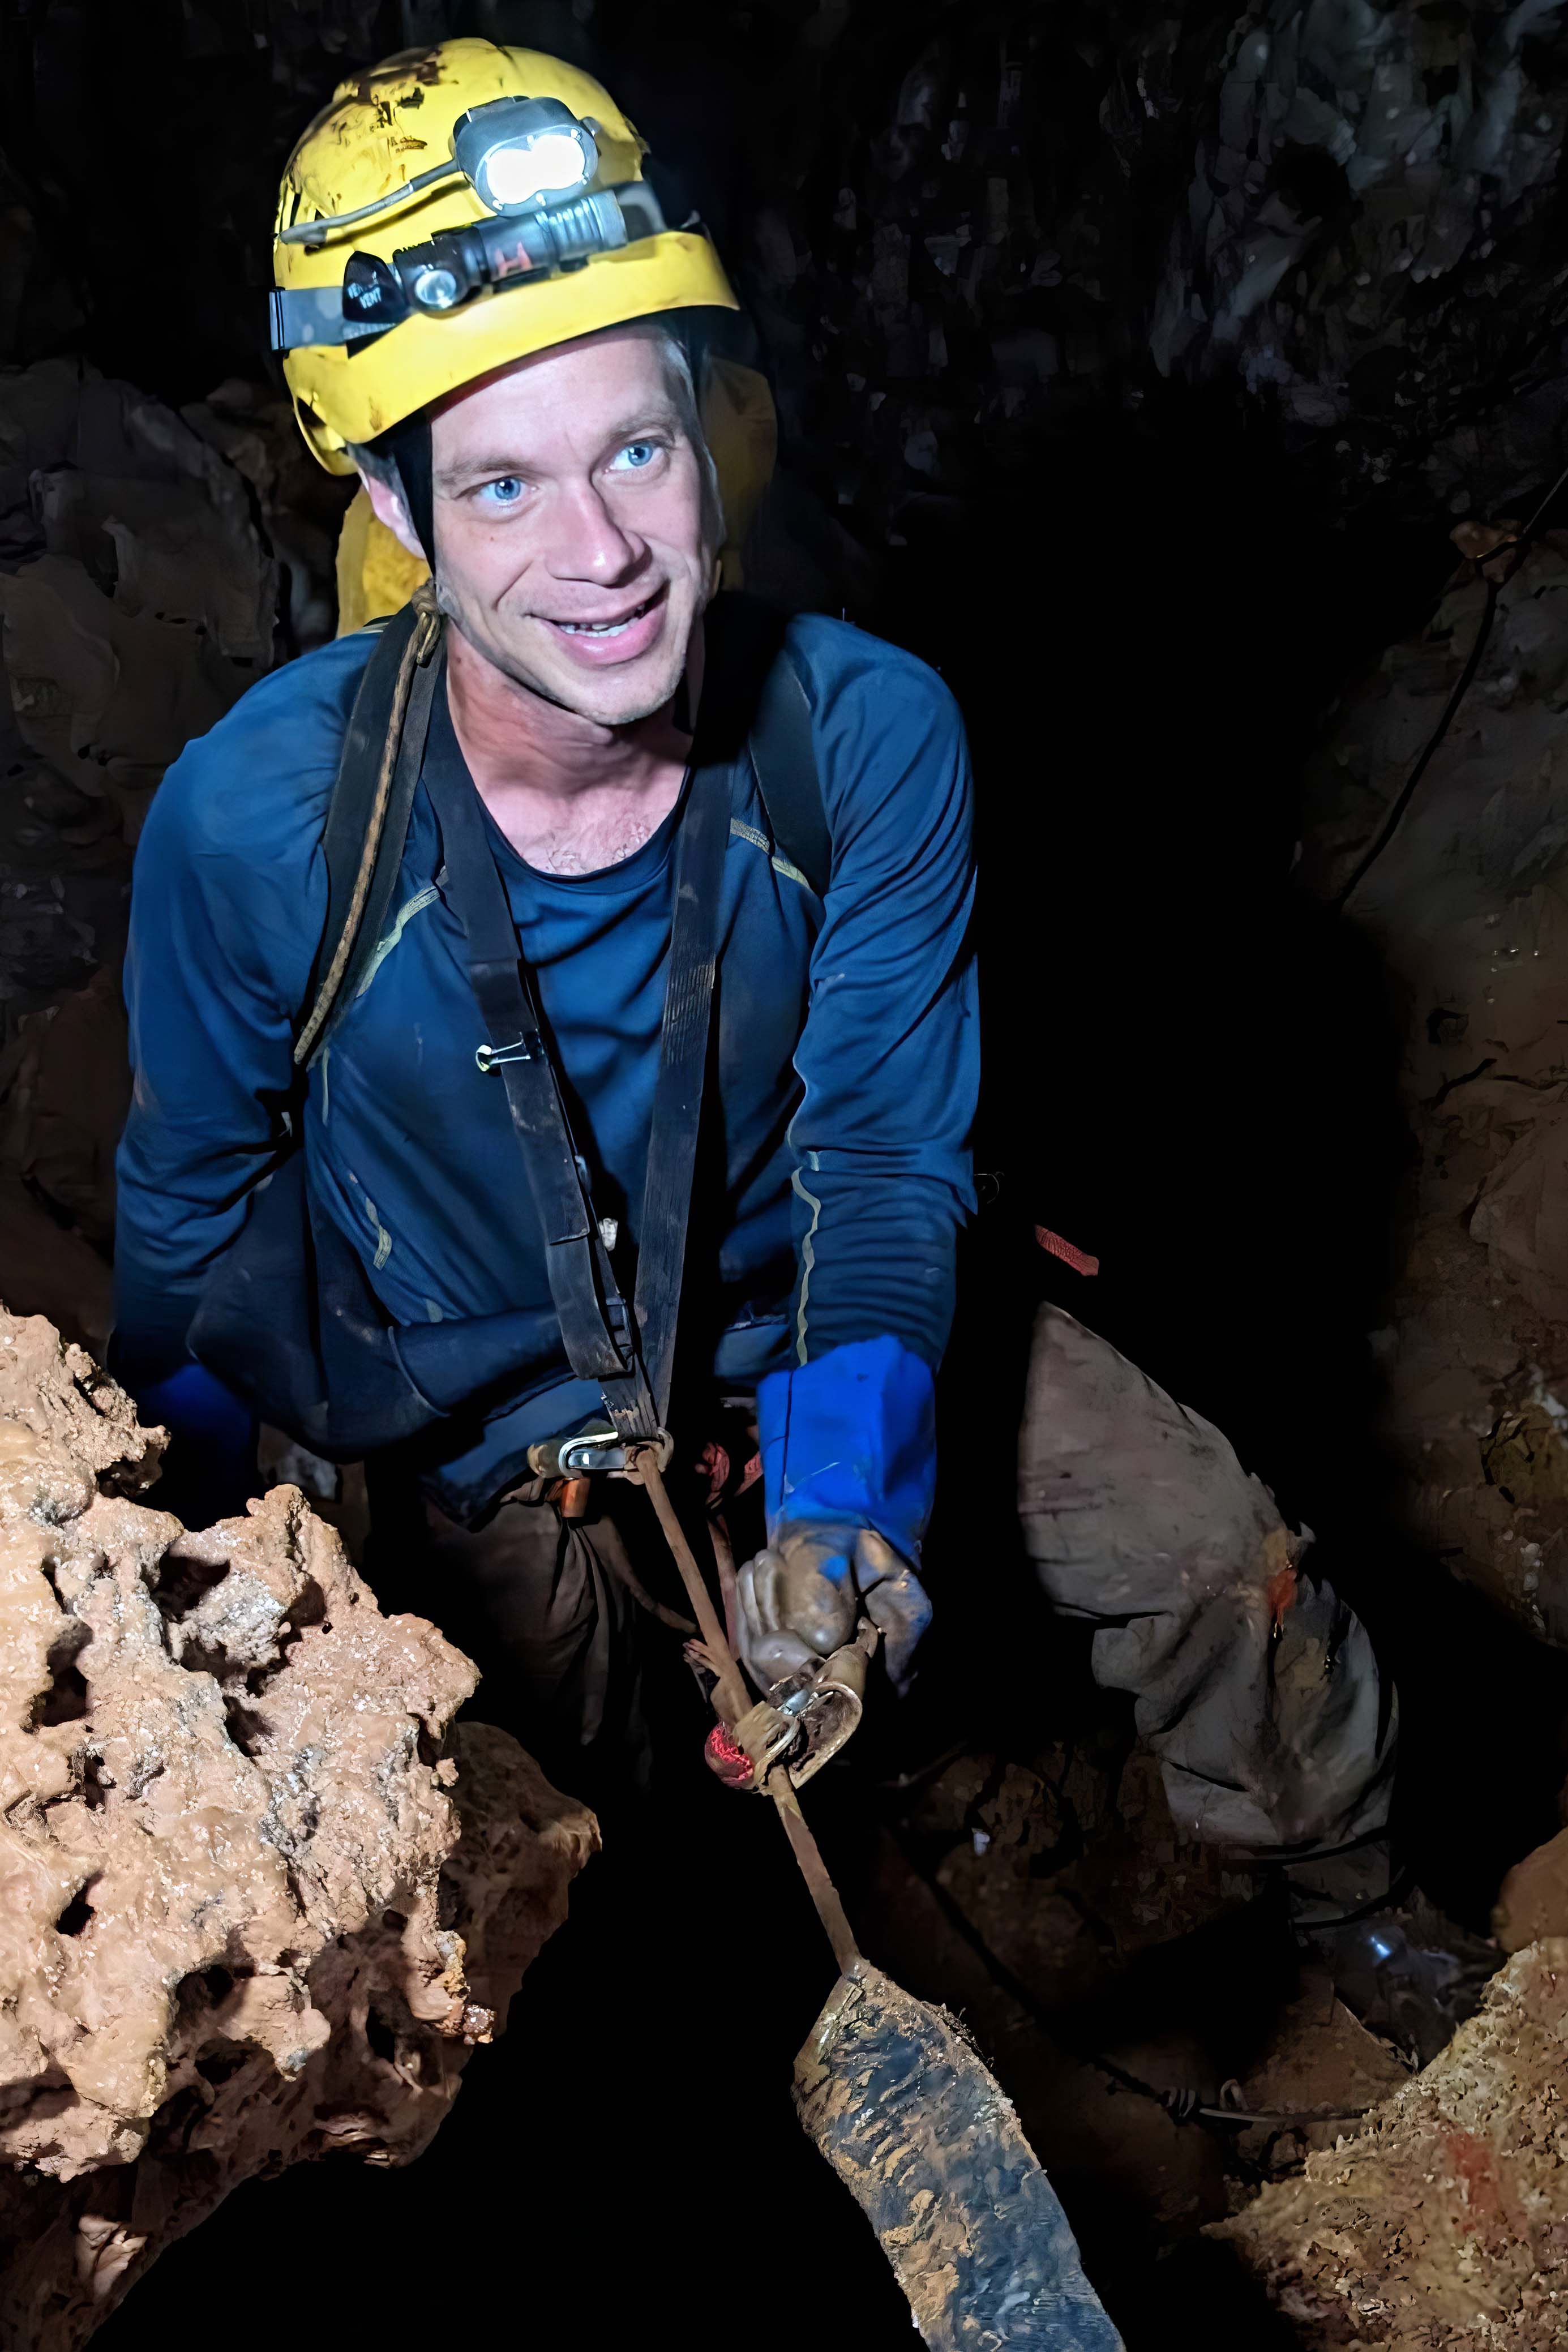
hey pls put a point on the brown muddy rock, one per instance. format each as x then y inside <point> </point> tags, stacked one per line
<point>51,1271</point>
<point>65,1090</point>
<point>1321,2068</point>
<point>254,1906</point>
<point>1468,907</point>
<point>137,597</point>
<point>252,426</point>
<point>1444,2221</point>
<point>1533,1901</point>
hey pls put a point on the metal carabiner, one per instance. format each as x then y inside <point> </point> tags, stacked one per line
<point>601,1449</point>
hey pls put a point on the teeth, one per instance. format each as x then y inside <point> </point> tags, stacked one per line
<point>602,628</point>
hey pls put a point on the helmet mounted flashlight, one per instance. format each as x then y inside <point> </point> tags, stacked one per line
<point>529,160</point>
<point>513,248</point>
<point>513,151</point>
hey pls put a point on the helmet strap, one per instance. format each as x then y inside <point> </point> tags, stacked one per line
<point>409,445</point>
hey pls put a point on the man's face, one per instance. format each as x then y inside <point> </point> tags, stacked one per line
<point>574,537</point>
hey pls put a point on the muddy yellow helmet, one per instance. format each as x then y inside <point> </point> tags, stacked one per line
<point>465,205</point>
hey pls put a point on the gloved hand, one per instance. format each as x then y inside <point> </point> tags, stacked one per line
<point>802,1597</point>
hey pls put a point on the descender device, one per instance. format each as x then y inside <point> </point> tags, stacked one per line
<point>800,1723</point>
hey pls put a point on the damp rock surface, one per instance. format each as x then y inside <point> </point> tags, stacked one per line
<point>1444,2221</point>
<point>1466,908</point>
<point>258,1901</point>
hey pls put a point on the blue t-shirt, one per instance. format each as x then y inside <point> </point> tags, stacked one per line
<point>841,1091</point>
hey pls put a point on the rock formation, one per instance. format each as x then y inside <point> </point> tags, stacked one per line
<point>962,229</point>
<point>255,1906</point>
<point>137,600</point>
<point>1468,908</point>
<point>1444,2221</point>
<point>138,597</point>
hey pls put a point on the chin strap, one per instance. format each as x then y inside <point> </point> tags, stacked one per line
<point>408,446</point>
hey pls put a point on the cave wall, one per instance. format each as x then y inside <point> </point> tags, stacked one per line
<point>956,227</point>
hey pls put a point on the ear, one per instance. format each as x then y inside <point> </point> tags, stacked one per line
<point>390,512</point>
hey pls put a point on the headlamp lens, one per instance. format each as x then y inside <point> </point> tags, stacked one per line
<point>516,150</point>
<point>544,165</point>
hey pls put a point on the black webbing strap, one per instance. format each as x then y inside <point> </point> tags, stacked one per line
<point>756,695</point>
<point>769,714</point>
<point>700,843</point>
<point>632,1369</point>
<point>592,1325</point>
<point>784,759</point>
<point>395,832</point>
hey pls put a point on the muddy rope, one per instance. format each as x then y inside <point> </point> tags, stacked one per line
<point>713,1651</point>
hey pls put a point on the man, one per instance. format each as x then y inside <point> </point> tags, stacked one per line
<point>483,310</point>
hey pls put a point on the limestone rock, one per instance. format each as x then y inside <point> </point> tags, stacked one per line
<point>1444,2221</point>
<point>254,1905</point>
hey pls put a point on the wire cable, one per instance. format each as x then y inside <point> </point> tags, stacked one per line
<point>318,231</point>
<point>1520,543</point>
<point>1182,2105</point>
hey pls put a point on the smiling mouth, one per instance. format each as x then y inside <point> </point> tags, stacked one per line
<point>609,629</point>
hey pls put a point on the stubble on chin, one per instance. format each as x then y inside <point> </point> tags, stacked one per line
<point>598,698</point>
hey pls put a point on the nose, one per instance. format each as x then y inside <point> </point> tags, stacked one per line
<point>587,543</point>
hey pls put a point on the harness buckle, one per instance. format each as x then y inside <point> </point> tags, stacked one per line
<point>525,1048</point>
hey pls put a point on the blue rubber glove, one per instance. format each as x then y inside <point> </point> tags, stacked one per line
<point>210,1469</point>
<point>848,1448</point>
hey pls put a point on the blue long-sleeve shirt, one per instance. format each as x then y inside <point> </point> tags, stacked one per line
<point>846,1061</point>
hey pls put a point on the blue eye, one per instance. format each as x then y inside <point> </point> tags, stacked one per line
<point>636,456</point>
<point>506,492</point>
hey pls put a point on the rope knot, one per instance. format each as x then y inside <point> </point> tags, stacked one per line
<point>427,636</point>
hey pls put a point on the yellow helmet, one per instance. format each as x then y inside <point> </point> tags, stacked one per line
<point>456,208</point>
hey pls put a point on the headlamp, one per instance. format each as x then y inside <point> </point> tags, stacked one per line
<point>530,162</point>
<point>515,151</point>
<point>531,242</point>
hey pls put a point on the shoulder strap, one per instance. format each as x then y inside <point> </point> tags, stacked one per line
<point>783,757</point>
<point>594,1323</point>
<point>367,821</point>
<point>631,1359</point>
<point>750,640</point>
<point>699,847</point>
